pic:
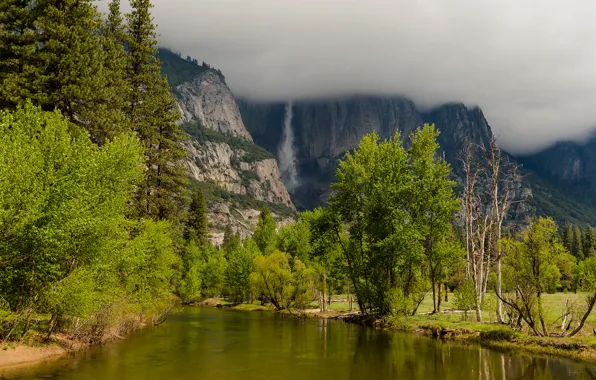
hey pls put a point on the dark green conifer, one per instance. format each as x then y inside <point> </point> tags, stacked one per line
<point>266,232</point>
<point>18,52</point>
<point>576,246</point>
<point>153,115</point>
<point>55,58</point>
<point>588,247</point>
<point>568,237</point>
<point>197,226</point>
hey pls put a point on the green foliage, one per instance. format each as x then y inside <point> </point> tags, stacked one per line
<point>294,239</point>
<point>248,176</point>
<point>176,69</point>
<point>397,207</point>
<point>192,269</point>
<point>567,237</point>
<point>197,225</point>
<point>67,247</point>
<point>589,243</point>
<point>153,113</point>
<point>275,281</point>
<point>240,266</point>
<point>53,55</point>
<point>465,297</point>
<point>530,267</point>
<point>265,235</point>
<point>576,243</point>
<point>213,271</point>
<point>585,275</point>
<point>399,304</point>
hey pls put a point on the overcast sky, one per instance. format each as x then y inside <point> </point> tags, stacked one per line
<point>529,64</point>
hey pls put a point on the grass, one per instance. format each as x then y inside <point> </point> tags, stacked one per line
<point>451,325</point>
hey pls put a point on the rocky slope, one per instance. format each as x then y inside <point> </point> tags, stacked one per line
<point>237,177</point>
<point>325,130</point>
<point>571,169</point>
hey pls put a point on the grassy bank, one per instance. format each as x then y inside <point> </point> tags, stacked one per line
<point>451,325</point>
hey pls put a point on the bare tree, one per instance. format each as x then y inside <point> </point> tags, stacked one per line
<point>477,223</point>
<point>503,179</point>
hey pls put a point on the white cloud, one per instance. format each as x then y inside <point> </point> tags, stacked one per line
<point>530,65</point>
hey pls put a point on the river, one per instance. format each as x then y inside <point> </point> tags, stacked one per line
<point>216,344</point>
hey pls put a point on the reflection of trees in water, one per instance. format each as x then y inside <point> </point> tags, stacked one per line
<point>382,355</point>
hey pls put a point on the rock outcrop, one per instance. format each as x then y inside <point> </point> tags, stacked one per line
<point>237,176</point>
<point>325,130</point>
<point>207,98</point>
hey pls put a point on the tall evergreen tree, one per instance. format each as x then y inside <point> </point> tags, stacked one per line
<point>576,246</point>
<point>568,237</point>
<point>113,40</point>
<point>588,247</point>
<point>153,114</point>
<point>55,58</point>
<point>197,226</point>
<point>266,232</point>
<point>18,51</point>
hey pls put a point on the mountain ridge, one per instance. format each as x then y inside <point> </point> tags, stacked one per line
<point>325,129</point>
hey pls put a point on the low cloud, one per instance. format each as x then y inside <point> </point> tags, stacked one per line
<point>530,65</point>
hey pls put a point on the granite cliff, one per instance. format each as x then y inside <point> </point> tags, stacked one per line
<point>237,176</point>
<point>325,129</point>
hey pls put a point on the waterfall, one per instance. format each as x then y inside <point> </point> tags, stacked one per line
<point>286,153</point>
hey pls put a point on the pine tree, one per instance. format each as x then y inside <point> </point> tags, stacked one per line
<point>55,59</point>
<point>576,246</point>
<point>18,52</point>
<point>266,232</point>
<point>228,235</point>
<point>197,226</point>
<point>568,236</point>
<point>153,115</point>
<point>113,40</point>
<point>588,247</point>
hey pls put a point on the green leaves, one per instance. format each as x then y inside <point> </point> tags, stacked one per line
<point>266,232</point>
<point>66,245</point>
<point>397,206</point>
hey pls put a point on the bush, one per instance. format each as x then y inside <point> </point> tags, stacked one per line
<point>399,304</point>
<point>502,334</point>
<point>274,280</point>
<point>465,297</point>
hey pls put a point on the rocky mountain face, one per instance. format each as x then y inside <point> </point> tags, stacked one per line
<point>237,177</point>
<point>207,98</point>
<point>567,162</point>
<point>325,130</point>
<point>234,144</point>
<point>570,169</point>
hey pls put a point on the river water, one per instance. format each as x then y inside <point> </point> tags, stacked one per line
<point>215,344</point>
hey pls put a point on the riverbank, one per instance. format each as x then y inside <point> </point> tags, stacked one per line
<point>22,354</point>
<point>449,326</point>
<point>35,349</point>
<point>492,335</point>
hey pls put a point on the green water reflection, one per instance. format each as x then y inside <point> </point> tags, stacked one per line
<point>206,343</point>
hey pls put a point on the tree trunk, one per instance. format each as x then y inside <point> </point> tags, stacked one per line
<point>499,292</point>
<point>434,296</point>
<point>591,302</point>
<point>324,291</point>
<point>446,293</point>
<point>439,298</point>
